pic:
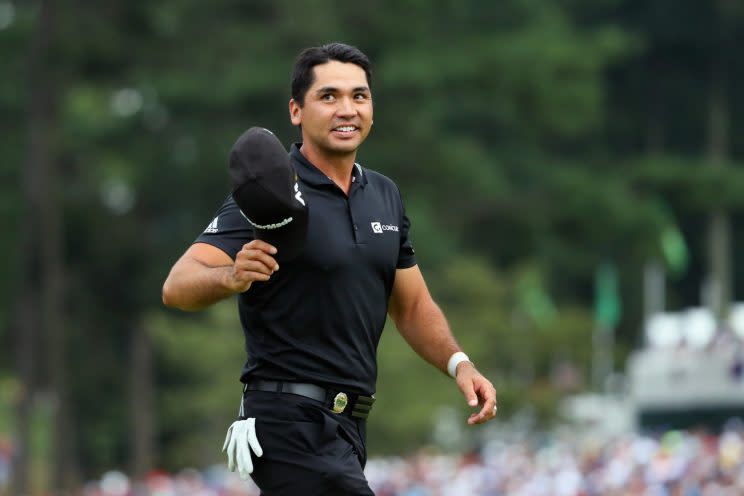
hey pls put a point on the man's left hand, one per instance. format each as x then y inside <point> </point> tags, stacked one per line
<point>478,391</point>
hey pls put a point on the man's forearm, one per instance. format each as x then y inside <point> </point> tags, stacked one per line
<point>426,330</point>
<point>192,285</point>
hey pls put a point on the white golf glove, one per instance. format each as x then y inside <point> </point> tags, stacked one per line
<point>241,437</point>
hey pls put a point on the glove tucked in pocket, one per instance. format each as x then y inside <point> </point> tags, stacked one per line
<point>240,439</point>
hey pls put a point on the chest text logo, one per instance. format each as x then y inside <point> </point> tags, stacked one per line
<point>378,228</point>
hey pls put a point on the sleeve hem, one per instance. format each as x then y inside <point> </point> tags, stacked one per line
<point>217,244</point>
<point>406,264</point>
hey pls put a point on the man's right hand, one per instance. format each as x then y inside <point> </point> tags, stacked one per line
<point>254,262</point>
<point>206,274</point>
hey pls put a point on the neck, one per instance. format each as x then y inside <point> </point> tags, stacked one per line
<point>338,168</point>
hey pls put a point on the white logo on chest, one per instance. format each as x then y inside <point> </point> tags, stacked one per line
<point>378,228</point>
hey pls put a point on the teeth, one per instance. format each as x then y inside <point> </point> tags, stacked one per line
<point>345,128</point>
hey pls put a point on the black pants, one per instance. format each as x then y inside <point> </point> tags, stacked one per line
<point>307,449</point>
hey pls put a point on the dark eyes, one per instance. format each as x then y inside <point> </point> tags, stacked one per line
<point>329,97</point>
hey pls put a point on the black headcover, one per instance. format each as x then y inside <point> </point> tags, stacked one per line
<point>264,185</point>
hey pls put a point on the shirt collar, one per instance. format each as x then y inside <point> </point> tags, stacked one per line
<point>311,174</point>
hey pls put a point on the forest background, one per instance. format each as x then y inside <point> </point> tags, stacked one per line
<point>550,154</point>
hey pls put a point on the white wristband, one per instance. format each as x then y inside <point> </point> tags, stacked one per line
<point>454,360</point>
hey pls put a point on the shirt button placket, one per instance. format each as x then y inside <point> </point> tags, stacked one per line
<point>354,225</point>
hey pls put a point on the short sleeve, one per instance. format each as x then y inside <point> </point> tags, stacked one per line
<point>406,256</point>
<point>229,230</point>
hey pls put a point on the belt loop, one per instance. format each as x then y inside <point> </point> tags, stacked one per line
<point>279,386</point>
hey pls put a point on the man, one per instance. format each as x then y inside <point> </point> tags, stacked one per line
<point>312,325</point>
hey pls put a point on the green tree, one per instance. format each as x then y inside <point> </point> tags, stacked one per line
<point>531,140</point>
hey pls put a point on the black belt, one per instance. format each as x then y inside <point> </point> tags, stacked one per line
<point>342,402</point>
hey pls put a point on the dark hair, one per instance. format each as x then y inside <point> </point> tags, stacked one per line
<point>303,76</point>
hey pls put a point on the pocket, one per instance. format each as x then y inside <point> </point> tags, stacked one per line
<point>287,439</point>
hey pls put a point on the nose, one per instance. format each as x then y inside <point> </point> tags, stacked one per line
<point>346,108</point>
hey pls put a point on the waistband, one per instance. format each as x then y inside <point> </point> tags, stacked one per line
<point>340,402</point>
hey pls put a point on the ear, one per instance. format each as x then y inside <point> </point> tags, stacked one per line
<point>295,112</point>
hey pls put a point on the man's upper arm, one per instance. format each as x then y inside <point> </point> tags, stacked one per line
<point>409,289</point>
<point>193,264</point>
<point>206,254</point>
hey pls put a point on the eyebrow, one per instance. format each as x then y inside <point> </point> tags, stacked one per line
<point>333,89</point>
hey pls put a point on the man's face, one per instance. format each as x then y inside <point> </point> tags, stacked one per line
<point>337,113</point>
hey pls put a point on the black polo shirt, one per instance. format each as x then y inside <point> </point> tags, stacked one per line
<point>320,316</point>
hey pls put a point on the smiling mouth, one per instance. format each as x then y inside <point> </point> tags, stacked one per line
<point>345,129</point>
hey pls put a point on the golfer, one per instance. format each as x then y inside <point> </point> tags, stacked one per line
<point>315,284</point>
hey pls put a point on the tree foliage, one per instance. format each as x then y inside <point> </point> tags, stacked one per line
<point>531,140</point>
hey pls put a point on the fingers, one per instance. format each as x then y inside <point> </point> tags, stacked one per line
<point>477,390</point>
<point>245,464</point>
<point>231,445</point>
<point>254,262</point>
<point>240,448</point>
<point>241,438</point>
<point>228,437</point>
<point>253,439</point>
<point>259,244</point>
<point>466,385</point>
<point>487,393</point>
<point>257,256</point>
<point>485,414</point>
<point>231,454</point>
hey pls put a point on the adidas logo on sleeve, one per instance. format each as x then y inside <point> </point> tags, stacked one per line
<point>212,227</point>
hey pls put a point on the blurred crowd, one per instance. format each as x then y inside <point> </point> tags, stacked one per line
<point>674,463</point>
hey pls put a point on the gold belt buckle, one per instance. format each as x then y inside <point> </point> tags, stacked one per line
<point>340,402</point>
